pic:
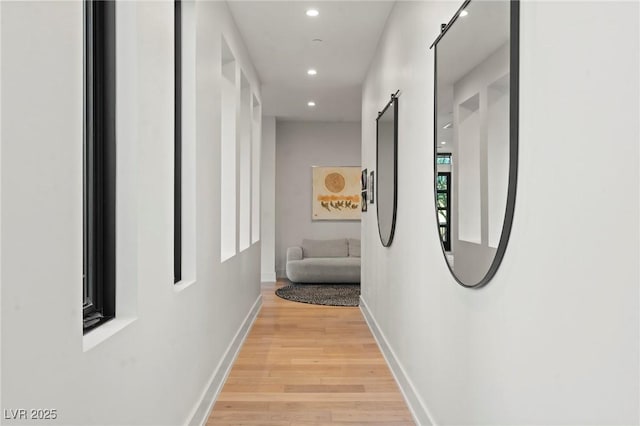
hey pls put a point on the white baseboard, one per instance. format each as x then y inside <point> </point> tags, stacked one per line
<point>219,376</point>
<point>268,277</point>
<point>417,408</point>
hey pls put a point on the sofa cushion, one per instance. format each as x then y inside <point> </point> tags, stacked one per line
<point>324,270</point>
<point>354,247</point>
<point>325,248</point>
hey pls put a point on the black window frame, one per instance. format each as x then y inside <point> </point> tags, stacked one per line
<point>99,164</point>
<point>177,184</point>
<point>446,241</point>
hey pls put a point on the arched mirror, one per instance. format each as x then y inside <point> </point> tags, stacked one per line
<point>476,136</point>
<point>387,174</point>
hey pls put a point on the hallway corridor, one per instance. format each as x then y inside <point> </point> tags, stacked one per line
<point>308,365</point>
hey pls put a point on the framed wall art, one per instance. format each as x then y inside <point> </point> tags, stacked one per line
<point>336,193</point>
<point>372,180</point>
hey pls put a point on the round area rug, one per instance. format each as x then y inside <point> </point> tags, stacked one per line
<point>322,294</point>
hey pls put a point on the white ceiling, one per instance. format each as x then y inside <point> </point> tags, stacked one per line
<point>280,36</point>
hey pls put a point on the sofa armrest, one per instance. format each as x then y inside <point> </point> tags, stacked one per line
<point>294,253</point>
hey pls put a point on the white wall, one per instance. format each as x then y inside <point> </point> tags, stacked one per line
<point>268,190</point>
<point>154,362</point>
<point>553,338</point>
<point>299,146</point>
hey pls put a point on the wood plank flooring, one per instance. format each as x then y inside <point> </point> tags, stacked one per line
<point>309,365</point>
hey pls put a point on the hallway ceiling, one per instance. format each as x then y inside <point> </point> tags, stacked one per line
<point>280,37</point>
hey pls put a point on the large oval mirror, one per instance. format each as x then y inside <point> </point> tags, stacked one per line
<point>476,136</point>
<point>386,158</point>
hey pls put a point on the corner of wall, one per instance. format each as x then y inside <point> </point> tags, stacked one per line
<point>206,402</point>
<point>416,406</point>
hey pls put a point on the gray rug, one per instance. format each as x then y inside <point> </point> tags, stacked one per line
<point>322,294</point>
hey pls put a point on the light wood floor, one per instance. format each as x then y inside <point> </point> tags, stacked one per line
<point>309,365</point>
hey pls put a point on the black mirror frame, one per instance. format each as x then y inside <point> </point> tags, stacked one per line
<point>514,100</point>
<point>393,100</point>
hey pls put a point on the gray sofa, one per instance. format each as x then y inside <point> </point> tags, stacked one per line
<point>324,261</point>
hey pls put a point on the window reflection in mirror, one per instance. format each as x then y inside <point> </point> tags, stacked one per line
<point>476,136</point>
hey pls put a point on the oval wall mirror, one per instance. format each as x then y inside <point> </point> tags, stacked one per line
<point>386,165</point>
<point>476,136</point>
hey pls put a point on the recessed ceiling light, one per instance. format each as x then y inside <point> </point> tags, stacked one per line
<point>463,13</point>
<point>443,143</point>
<point>311,71</point>
<point>317,40</point>
<point>311,104</point>
<point>312,12</point>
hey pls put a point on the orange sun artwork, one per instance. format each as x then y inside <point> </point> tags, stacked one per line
<point>336,193</point>
<point>334,182</point>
